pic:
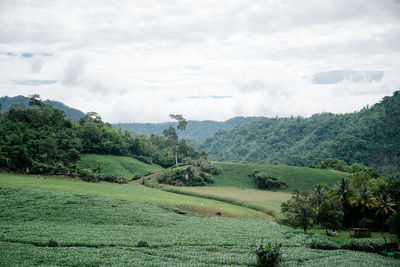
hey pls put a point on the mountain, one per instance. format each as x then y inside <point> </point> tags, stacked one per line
<point>370,136</point>
<point>6,102</point>
<point>196,130</point>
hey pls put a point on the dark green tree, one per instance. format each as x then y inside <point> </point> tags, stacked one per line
<point>330,215</point>
<point>299,210</point>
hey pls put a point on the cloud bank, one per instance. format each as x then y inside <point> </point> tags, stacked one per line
<point>138,61</point>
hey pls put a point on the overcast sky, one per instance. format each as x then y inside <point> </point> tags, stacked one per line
<point>138,61</point>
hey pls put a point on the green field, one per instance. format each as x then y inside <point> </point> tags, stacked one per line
<point>268,201</point>
<point>65,229</point>
<point>130,191</point>
<point>120,166</point>
<point>234,185</point>
<point>238,175</point>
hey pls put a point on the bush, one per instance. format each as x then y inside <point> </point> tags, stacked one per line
<point>184,177</point>
<point>369,245</point>
<point>323,243</point>
<point>206,166</point>
<point>267,254</point>
<point>264,181</point>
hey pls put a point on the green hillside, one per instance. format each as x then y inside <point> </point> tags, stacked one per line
<point>370,136</point>
<point>238,175</point>
<point>65,229</point>
<point>196,130</point>
<point>119,166</point>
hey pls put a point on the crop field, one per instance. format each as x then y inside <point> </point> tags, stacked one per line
<point>130,191</point>
<point>238,175</point>
<point>120,166</point>
<point>65,229</point>
<point>269,201</point>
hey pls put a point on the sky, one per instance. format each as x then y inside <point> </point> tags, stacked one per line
<point>138,61</point>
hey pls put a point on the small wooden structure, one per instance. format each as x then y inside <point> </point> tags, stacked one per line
<point>360,232</point>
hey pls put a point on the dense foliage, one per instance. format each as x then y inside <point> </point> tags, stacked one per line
<point>185,176</point>
<point>360,200</point>
<point>30,138</point>
<point>370,136</point>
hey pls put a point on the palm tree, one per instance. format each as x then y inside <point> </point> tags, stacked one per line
<point>318,195</point>
<point>343,192</point>
<point>365,199</point>
<point>385,207</point>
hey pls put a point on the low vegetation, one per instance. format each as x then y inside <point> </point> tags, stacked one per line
<point>296,178</point>
<point>130,191</point>
<point>120,166</point>
<point>66,229</point>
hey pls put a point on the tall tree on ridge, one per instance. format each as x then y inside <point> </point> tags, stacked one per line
<point>172,136</point>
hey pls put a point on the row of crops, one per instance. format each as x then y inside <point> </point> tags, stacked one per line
<point>45,228</point>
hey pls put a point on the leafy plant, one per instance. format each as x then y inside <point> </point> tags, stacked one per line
<point>267,254</point>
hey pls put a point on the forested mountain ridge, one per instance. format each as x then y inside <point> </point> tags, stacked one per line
<point>196,130</point>
<point>370,136</point>
<point>6,102</point>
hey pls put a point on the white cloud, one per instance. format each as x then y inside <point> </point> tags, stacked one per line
<point>141,60</point>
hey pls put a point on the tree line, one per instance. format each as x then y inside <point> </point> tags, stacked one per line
<point>363,199</point>
<point>41,137</point>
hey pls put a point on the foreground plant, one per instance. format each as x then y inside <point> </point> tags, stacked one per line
<point>267,254</point>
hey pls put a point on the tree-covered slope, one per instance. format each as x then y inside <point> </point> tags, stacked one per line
<point>196,130</point>
<point>6,102</point>
<point>370,136</point>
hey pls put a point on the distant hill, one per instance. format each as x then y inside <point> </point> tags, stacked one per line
<point>196,130</point>
<point>6,102</point>
<point>370,136</point>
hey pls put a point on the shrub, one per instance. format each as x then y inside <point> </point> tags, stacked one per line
<point>264,181</point>
<point>323,243</point>
<point>369,245</point>
<point>267,254</point>
<point>184,177</point>
<point>206,166</point>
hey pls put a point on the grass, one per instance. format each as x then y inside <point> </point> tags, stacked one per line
<point>267,201</point>
<point>238,175</point>
<point>130,191</point>
<point>120,166</point>
<point>66,229</point>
